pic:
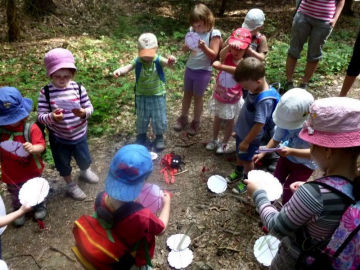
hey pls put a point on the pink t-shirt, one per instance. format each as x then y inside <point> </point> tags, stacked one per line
<point>227,90</point>
<point>319,9</point>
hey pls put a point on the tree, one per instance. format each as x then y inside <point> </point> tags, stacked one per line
<point>39,7</point>
<point>12,21</point>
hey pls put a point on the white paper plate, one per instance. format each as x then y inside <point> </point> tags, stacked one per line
<point>180,259</point>
<point>265,249</point>
<point>217,184</point>
<point>267,182</point>
<point>174,240</point>
<point>153,155</point>
<point>226,80</point>
<point>34,191</point>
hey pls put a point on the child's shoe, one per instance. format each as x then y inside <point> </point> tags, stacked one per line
<point>240,188</point>
<point>159,142</point>
<point>141,139</point>
<point>75,192</point>
<point>194,128</point>
<point>223,149</point>
<point>20,221</point>
<point>89,176</point>
<point>236,175</point>
<point>212,145</point>
<point>40,211</point>
<point>181,123</point>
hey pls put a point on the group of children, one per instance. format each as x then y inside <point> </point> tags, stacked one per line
<point>242,99</point>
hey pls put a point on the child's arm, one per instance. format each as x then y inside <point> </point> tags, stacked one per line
<point>254,131</point>
<point>165,211</point>
<point>339,7</point>
<point>223,53</point>
<point>301,153</point>
<point>271,144</point>
<point>6,220</point>
<point>213,50</point>
<point>258,55</point>
<point>229,69</point>
<point>123,70</point>
<point>35,149</point>
<point>169,62</point>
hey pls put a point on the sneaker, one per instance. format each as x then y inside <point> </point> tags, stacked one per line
<point>40,211</point>
<point>235,176</point>
<point>194,128</point>
<point>223,148</point>
<point>304,86</point>
<point>240,188</point>
<point>181,123</point>
<point>89,176</point>
<point>159,142</point>
<point>20,221</point>
<point>75,192</point>
<point>212,145</point>
<point>141,139</point>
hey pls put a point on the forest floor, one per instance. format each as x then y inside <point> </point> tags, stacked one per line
<point>226,226</point>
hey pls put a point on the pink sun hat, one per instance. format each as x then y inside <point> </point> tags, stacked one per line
<point>333,122</point>
<point>58,58</point>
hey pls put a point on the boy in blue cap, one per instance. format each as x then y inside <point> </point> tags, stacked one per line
<point>15,169</point>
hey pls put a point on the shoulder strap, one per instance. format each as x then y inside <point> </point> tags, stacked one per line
<point>138,66</point>
<point>347,241</point>
<point>159,69</point>
<point>210,36</point>
<point>79,86</point>
<point>47,95</point>
<point>27,128</point>
<point>271,93</point>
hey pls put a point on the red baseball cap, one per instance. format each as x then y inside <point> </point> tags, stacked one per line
<point>240,38</point>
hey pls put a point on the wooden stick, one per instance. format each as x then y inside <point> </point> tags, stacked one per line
<point>184,171</point>
<point>63,253</point>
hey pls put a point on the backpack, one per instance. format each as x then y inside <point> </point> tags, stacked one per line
<point>97,246</point>
<point>342,251</point>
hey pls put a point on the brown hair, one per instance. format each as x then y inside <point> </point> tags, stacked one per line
<point>202,13</point>
<point>251,69</point>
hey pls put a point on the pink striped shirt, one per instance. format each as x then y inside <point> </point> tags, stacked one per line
<point>71,127</point>
<point>319,9</point>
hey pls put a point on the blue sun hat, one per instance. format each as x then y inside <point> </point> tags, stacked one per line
<point>129,168</point>
<point>13,107</point>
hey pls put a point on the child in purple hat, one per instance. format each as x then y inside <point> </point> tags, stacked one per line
<point>64,107</point>
<point>310,217</point>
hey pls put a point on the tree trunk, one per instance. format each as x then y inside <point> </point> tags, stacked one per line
<point>12,21</point>
<point>222,8</point>
<point>347,8</point>
<point>39,7</point>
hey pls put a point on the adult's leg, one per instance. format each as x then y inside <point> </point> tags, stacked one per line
<point>290,67</point>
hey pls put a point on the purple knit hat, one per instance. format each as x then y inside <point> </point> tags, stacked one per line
<point>334,122</point>
<point>57,59</point>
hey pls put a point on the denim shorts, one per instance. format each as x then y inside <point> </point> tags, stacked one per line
<point>196,81</point>
<point>247,156</point>
<point>303,28</point>
<point>63,152</point>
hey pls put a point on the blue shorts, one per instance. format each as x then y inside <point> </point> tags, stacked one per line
<point>63,152</point>
<point>250,152</point>
<point>196,81</point>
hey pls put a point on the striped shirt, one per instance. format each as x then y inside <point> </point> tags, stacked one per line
<point>312,206</point>
<point>71,128</point>
<point>319,9</point>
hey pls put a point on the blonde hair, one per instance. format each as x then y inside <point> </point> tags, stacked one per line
<point>202,13</point>
<point>251,69</point>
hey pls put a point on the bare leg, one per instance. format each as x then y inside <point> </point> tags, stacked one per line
<point>186,103</point>
<point>309,71</point>
<point>229,124</point>
<point>198,107</point>
<point>348,82</point>
<point>216,128</point>
<point>290,67</point>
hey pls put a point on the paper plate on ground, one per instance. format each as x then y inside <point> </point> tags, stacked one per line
<point>226,80</point>
<point>180,259</point>
<point>14,147</point>
<point>265,249</point>
<point>151,197</point>
<point>34,191</point>
<point>2,213</point>
<point>217,184</point>
<point>174,240</point>
<point>267,182</point>
<point>153,155</point>
<point>192,40</point>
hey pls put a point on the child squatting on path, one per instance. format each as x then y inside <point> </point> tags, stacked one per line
<point>295,163</point>
<point>227,99</point>
<point>150,99</point>
<point>333,130</point>
<point>16,170</point>
<point>67,127</point>
<point>198,67</point>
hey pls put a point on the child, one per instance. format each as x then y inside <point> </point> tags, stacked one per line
<point>254,118</point>
<point>16,170</point>
<point>150,90</point>
<point>198,66</point>
<point>294,163</point>
<point>67,127</point>
<point>333,130</point>
<point>227,97</point>
<point>129,169</point>
<point>254,21</point>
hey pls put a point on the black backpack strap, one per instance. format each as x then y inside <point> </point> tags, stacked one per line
<point>346,242</point>
<point>79,86</point>
<point>27,128</point>
<point>346,198</point>
<point>126,210</point>
<point>47,95</point>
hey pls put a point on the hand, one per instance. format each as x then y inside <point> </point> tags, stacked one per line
<point>216,64</point>
<point>285,151</point>
<point>202,44</point>
<point>252,186</point>
<point>166,198</point>
<point>258,157</point>
<point>28,147</point>
<point>119,72</point>
<point>171,60</point>
<point>332,22</point>
<point>243,146</point>
<point>294,186</point>
<point>58,115</point>
<point>79,112</point>
<point>185,48</point>
<point>24,208</point>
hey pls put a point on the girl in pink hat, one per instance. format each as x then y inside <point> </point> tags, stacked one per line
<point>64,107</point>
<point>311,216</point>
